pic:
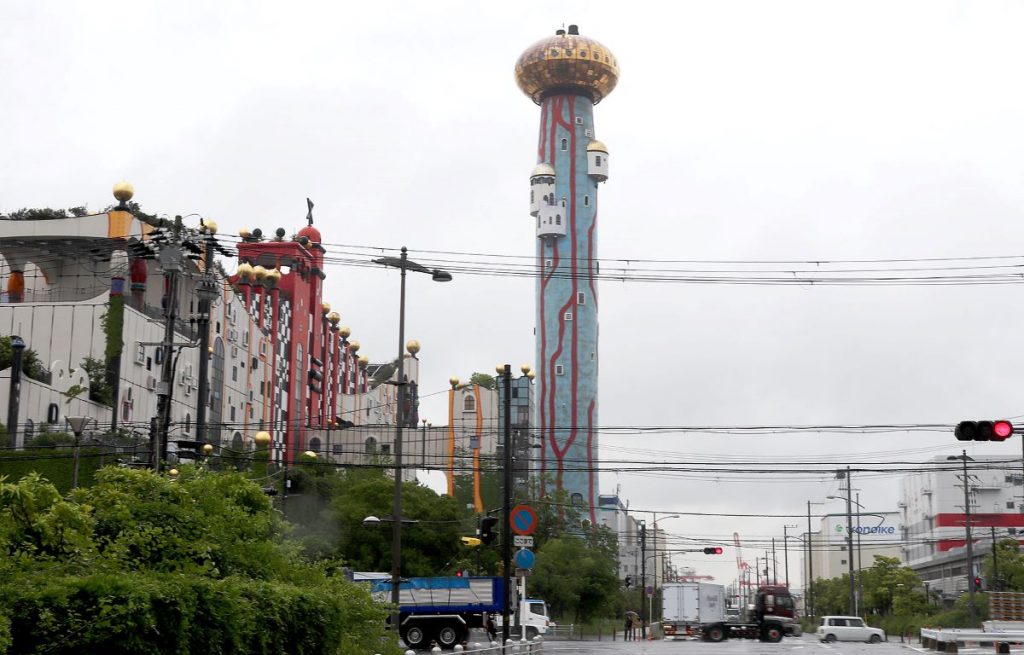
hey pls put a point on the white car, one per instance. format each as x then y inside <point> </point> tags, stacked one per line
<point>848,628</point>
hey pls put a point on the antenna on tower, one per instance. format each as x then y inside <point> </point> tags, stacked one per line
<point>309,211</point>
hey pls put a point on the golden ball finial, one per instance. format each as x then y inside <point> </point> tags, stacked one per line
<point>208,226</point>
<point>454,381</point>
<point>173,473</point>
<point>353,346</point>
<point>244,233</point>
<point>244,270</point>
<point>259,272</point>
<point>364,361</point>
<point>326,307</point>
<point>413,347</point>
<point>345,332</point>
<point>567,63</point>
<point>273,276</point>
<point>531,375</point>
<point>207,448</point>
<point>333,318</point>
<point>525,368</point>
<point>500,369</point>
<point>123,191</point>
<point>262,439</point>
<point>309,454</point>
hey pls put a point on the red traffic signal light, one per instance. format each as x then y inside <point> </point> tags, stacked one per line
<point>713,550</point>
<point>983,430</point>
<point>487,534</point>
<point>977,584</point>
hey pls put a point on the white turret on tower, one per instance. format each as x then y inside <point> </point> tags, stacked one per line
<point>542,187</point>
<point>597,160</point>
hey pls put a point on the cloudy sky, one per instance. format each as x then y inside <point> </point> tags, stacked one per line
<point>740,131</point>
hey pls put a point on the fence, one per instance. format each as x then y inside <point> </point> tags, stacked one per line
<point>522,647</point>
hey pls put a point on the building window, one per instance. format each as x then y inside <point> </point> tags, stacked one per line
<point>558,219</point>
<point>565,144</point>
<point>53,413</point>
<point>1009,504</point>
<point>188,422</point>
<point>586,201</point>
<point>581,298</point>
<point>469,404</point>
<point>597,160</point>
<point>234,374</point>
<point>371,445</point>
<point>577,499</point>
<point>842,561</point>
<point>547,263</point>
<point>568,316</point>
<point>579,120</point>
<point>559,369</point>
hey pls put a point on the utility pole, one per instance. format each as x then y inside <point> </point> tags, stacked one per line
<point>171,261</point>
<point>970,547</point>
<point>506,525</point>
<point>810,563</point>
<point>643,579</point>
<point>206,291</point>
<point>775,565</point>
<point>849,542</point>
<point>995,563</point>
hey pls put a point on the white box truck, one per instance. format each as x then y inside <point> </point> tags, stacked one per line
<point>689,605</point>
<point>698,609</point>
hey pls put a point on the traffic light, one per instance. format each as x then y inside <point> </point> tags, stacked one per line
<point>487,534</point>
<point>713,550</point>
<point>983,430</point>
<point>628,582</point>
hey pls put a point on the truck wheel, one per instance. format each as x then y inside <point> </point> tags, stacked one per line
<point>414,637</point>
<point>715,633</point>
<point>448,635</point>
<point>531,633</point>
<point>772,634</point>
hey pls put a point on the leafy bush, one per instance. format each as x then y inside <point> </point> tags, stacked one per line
<point>126,613</point>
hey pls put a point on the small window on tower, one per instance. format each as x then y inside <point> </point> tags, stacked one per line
<point>581,298</point>
<point>565,144</point>
<point>558,219</point>
<point>568,316</point>
<point>547,263</point>
<point>579,120</point>
<point>597,160</point>
<point>559,369</point>
<point>586,201</point>
<point>588,132</point>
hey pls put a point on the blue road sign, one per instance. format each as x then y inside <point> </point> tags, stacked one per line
<point>524,558</point>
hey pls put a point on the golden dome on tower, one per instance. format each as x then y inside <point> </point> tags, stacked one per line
<point>597,146</point>
<point>567,63</point>
<point>123,191</point>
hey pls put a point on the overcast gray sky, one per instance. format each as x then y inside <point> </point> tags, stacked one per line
<point>739,131</point>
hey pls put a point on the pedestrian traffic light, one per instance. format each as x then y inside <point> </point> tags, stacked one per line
<point>977,583</point>
<point>628,582</point>
<point>713,550</point>
<point>983,430</point>
<point>487,529</point>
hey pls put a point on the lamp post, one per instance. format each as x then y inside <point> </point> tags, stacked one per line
<point>970,546</point>
<point>659,565</point>
<point>77,424</point>
<point>403,264</point>
<point>854,598</point>
<point>505,376</point>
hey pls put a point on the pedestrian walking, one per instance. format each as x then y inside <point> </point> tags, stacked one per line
<point>628,628</point>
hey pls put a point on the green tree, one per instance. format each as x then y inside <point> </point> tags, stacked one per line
<point>30,364</point>
<point>100,390</point>
<point>484,380</point>
<point>577,575</point>
<point>1010,565</point>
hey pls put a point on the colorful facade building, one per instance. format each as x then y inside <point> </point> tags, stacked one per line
<point>566,75</point>
<point>81,289</point>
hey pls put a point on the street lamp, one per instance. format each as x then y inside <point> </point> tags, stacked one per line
<point>403,264</point>
<point>659,566</point>
<point>854,604</point>
<point>77,424</point>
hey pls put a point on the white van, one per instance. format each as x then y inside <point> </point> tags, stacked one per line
<point>848,628</point>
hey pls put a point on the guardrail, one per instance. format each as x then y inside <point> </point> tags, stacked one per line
<point>521,647</point>
<point>950,640</point>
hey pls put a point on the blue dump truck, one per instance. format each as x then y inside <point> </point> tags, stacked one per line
<point>442,609</point>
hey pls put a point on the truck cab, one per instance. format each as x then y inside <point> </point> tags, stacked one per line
<point>533,619</point>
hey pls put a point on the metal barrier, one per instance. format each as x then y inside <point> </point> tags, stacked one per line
<point>521,647</point>
<point>950,640</point>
